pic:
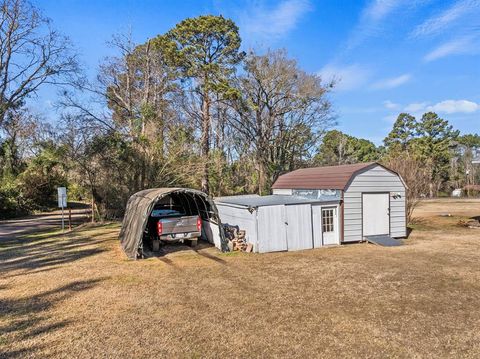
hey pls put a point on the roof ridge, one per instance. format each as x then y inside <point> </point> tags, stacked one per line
<point>358,164</point>
<point>342,165</point>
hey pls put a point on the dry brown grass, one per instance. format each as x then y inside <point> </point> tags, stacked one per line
<point>77,296</point>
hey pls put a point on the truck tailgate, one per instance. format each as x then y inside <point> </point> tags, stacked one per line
<point>179,224</point>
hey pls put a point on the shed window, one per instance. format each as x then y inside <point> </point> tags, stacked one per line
<point>327,220</point>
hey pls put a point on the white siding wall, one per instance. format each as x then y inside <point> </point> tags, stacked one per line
<point>283,191</point>
<point>242,218</point>
<point>376,179</point>
<point>317,226</point>
<point>267,230</point>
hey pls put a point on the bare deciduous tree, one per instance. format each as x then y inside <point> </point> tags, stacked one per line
<point>282,113</point>
<point>31,54</point>
<point>416,175</point>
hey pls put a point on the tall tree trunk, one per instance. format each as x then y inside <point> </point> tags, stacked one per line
<point>259,151</point>
<point>205,142</point>
<point>143,173</point>
<point>261,179</point>
<point>260,163</point>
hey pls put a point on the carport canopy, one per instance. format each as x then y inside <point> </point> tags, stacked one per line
<point>139,208</point>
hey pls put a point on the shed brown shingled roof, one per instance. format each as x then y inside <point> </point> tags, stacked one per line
<point>329,177</point>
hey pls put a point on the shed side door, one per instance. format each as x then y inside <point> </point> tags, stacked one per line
<point>299,227</point>
<point>330,226</point>
<point>271,229</point>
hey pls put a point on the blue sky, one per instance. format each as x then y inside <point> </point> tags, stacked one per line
<point>388,56</point>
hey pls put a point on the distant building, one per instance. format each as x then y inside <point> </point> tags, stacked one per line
<point>457,192</point>
<point>476,158</point>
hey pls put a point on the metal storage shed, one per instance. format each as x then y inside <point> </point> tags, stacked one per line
<point>373,197</point>
<point>279,223</point>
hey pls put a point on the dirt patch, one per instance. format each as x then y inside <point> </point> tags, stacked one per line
<point>78,296</point>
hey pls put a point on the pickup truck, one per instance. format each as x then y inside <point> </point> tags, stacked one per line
<point>171,224</point>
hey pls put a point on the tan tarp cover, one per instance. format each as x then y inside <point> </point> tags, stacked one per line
<point>139,207</point>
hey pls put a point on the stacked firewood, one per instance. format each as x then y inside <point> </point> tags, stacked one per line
<point>236,239</point>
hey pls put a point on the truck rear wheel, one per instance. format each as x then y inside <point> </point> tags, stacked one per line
<point>156,245</point>
<point>192,242</point>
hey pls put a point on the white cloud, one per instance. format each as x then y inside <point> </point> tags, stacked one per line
<point>373,18</point>
<point>447,106</point>
<point>392,82</point>
<point>443,20</point>
<point>459,46</point>
<point>454,106</point>
<point>390,105</point>
<point>260,22</point>
<point>347,77</point>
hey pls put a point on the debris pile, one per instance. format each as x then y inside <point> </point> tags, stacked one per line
<point>236,239</point>
<point>471,223</point>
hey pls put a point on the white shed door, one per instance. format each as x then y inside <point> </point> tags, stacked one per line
<point>272,235</point>
<point>299,227</point>
<point>375,214</point>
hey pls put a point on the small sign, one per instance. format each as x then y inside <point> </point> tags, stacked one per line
<point>62,197</point>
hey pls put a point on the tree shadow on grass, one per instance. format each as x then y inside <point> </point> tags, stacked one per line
<point>42,256</point>
<point>179,247</point>
<point>28,255</point>
<point>409,231</point>
<point>27,318</point>
<point>20,353</point>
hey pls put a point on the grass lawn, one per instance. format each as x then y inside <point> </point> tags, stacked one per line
<point>78,296</point>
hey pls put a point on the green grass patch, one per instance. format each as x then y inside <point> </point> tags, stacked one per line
<point>3,341</point>
<point>43,234</point>
<point>127,279</point>
<point>419,227</point>
<point>76,230</point>
<point>231,254</point>
<point>111,225</point>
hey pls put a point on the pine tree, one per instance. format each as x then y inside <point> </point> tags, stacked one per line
<point>205,49</point>
<point>402,133</point>
<point>434,144</point>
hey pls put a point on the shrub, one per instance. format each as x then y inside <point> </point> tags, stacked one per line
<point>12,201</point>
